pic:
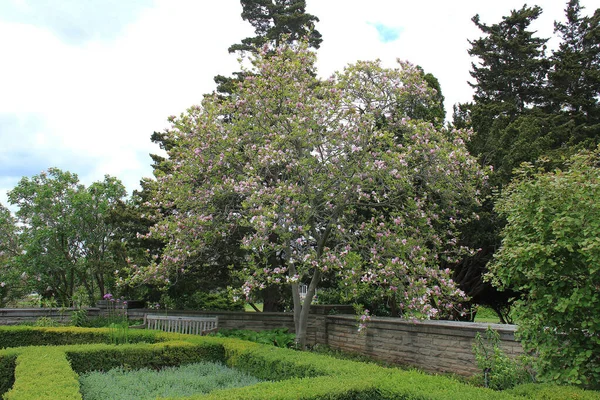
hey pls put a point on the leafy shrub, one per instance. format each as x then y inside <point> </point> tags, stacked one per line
<point>172,381</point>
<point>79,317</point>
<point>551,254</point>
<point>202,300</point>
<point>276,337</point>
<point>499,372</point>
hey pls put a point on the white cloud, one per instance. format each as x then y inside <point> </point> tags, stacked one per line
<point>102,100</point>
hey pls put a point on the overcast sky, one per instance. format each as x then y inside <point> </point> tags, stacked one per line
<point>84,83</point>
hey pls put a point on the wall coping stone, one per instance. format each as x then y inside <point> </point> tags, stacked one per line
<point>449,328</point>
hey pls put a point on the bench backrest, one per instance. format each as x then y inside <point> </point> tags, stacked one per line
<point>181,324</point>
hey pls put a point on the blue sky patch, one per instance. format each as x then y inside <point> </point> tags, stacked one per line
<point>75,21</point>
<point>20,157</point>
<point>387,33</point>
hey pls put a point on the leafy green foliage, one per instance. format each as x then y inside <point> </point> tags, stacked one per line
<point>499,372</point>
<point>79,317</point>
<point>46,322</point>
<point>277,20</point>
<point>547,391</point>
<point>202,300</point>
<point>7,372</point>
<point>320,177</point>
<point>168,382</point>
<point>291,374</point>
<point>10,248</point>
<point>16,336</point>
<point>551,253</point>
<point>528,104</point>
<point>574,81</point>
<point>65,236</point>
<point>275,337</point>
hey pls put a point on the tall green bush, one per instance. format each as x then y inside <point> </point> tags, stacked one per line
<point>551,254</point>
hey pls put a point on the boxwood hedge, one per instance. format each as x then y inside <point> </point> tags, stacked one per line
<point>51,371</point>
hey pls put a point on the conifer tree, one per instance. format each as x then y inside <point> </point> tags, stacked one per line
<point>526,105</point>
<point>274,20</point>
<point>574,79</point>
<point>509,80</point>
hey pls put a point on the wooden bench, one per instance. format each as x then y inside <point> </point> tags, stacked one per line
<point>181,324</point>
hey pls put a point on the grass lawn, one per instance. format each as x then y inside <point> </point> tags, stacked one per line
<point>248,307</point>
<point>486,314</point>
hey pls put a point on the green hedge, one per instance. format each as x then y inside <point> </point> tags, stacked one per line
<point>135,356</point>
<point>51,372</point>
<point>545,391</point>
<point>43,374</point>
<point>7,372</point>
<point>17,336</point>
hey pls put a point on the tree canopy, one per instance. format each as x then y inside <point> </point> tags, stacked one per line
<point>308,176</point>
<point>65,238</point>
<point>527,104</point>
<point>551,254</point>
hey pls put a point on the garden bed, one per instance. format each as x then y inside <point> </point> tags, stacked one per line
<point>53,371</point>
<point>148,384</point>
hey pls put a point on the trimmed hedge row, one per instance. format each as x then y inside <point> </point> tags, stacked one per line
<point>7,372</point>
<point>45,373</point>
<point>548,391</point>
<point>102,357</point>
<point>18,336</point>
<point>51,373</point>
<point>313,376</point>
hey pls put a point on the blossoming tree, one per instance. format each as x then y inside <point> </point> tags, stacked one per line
<point>318,176</point>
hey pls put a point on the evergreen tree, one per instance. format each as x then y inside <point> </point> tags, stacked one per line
<point>512,63</point>
<point>574,79</point>
<point>274,20</point>
<point>526,106</point>
<point>509,81</point>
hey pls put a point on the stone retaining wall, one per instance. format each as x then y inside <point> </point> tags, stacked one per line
<point>438,346</point>
<point>14,316</point>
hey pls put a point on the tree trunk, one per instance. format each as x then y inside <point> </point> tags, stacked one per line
<point>302,319</point>
<point>393,306</point>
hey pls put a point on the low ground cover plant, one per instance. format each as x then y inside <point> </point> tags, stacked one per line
<point>122,384</point>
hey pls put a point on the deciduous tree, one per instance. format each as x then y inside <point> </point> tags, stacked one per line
<point>65,236</point>
<point>311,180</point>
<point>551,254</point>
